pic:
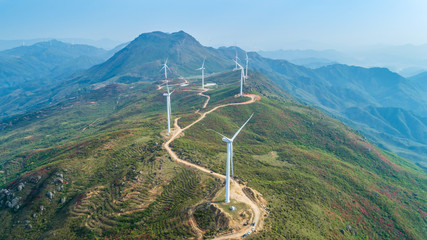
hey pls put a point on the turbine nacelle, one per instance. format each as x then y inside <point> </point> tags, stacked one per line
<point>166,68</point>
<point>168,94</point>
<point>227,140</point>
<point>203,65</point>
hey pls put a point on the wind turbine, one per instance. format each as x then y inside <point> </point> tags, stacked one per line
<point>242,76</point>
<point>167,95</point>
<point>230,158</point>
<point>166,68</point>
<point>203,74</point>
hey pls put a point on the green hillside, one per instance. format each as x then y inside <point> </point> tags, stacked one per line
<point>359,96</point>
<point>27,72</point>
<point>318,176</point>
<point>106,149</point>
<point>93,167</point>
<point>341,90</point>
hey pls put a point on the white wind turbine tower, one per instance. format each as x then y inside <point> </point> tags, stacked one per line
<point>247,61</point>
<point>168,106</point>
<point>203,74</point>
<point>230,159</point>
<point>242,76</point>
<point>167,95</point>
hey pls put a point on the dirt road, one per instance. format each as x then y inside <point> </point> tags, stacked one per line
<point>236,191</point>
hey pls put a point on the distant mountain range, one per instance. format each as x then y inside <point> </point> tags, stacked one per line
<point>28,69</point>
<point>407,60</point>
<point>107,44</point>
<point>307,58</point>
<point>362,97</point>
<point>385,106</point>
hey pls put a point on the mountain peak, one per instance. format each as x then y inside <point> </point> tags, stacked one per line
<point>182,34</point>
<point>158,35</point>
<point>142,57</point>
<point>50,43</point>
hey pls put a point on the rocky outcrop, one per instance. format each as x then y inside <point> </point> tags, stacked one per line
<point>58,180</point>
<point>60,188</point>
<point>21,186</point>
<point>222,219</point>
<point>7,197</point>
<point>35,179</point>
<point>254,195</point>
<point>49,195</point>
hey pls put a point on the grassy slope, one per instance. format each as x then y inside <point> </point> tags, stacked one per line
<point>116,176</point>
<point>317,174</point>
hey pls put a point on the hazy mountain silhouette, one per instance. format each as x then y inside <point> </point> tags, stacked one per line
<point>26,69</point>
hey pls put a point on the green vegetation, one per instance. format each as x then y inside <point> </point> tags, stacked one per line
<point>363,97</point>
<point>318,175</point>
<point>205,217</point>
<point>117,180</point>
<point>93,167</point>
<point>29,71</point>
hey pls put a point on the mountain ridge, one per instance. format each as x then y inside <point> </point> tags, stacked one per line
<point>334,88</point>
<point>33,69</point>
<point>93,166</point>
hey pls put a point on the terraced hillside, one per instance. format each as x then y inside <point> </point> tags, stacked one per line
<point>321,178</point>
<point>94,167</point>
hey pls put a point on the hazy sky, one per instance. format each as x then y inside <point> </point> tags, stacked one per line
<point>250,24</point>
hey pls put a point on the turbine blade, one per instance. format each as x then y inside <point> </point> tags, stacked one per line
<point>240,66</point>
<point>215,132</point>
<point>235,135</point>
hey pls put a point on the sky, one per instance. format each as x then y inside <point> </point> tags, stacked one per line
<point>250,24</point>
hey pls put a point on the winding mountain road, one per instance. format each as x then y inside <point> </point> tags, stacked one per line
<point>236,190</point>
